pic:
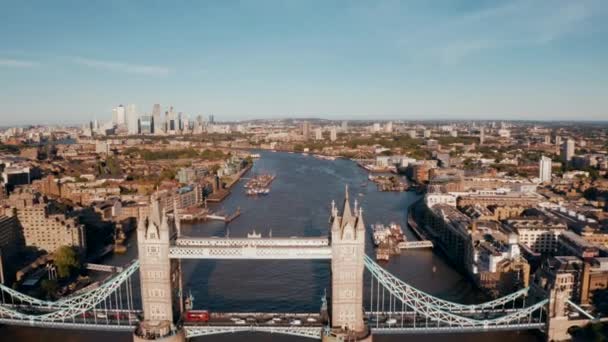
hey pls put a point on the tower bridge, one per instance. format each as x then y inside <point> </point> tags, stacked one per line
<point>392,306</point>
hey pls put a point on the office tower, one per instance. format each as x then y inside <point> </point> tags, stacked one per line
<point>412,133</point>
<point>427,133</point>
<point>158,122</point>
<point>376,127</point>
<point>318,133</point>
<point>118,115</point>
<point>567,150</point>
<point>558,141</point>
<point>211,119</point>
<point>389,127</point>
<point>306,129</point>
<point>544,172</point>
<point>172,121</point>
<point>547,140</point>
<point>132,119</point>
<point>482,136</point>
<point>344,126</point>
<point>146,124</point>
<point>333,133</point>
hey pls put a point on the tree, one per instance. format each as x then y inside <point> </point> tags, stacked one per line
<point>66,260</point>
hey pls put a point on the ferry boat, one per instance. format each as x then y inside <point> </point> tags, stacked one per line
<point>257,191</point>
<point>255,155</point>
<point>260,182</point>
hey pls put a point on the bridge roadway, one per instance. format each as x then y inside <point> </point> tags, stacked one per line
<point>308,325</point>
<point>251,248</point>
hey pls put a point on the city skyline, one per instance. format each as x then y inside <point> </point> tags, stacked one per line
<point>356,60</point>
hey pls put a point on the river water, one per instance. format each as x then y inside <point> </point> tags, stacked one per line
<point>298,205</point>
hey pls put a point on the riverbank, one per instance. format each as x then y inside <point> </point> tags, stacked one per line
<point>219,195</point>
<point>299,205</point>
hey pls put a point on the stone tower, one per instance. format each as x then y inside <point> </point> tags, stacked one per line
<point>158,277</point>
<point>347,265</point>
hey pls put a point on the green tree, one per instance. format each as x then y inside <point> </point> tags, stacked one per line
<point>66,260</point>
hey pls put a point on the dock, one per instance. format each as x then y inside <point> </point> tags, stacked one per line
<point>225,218</point>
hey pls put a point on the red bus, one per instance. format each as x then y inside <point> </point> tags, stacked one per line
<point>197,316</point>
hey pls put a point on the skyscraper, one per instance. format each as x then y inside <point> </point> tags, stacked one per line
<point>132,119</point>
<point>482,136</point>
<point>345,126</point>
<point>158,122</point>
<point>567,150</point>
<point>211,119</point>
<point>146,124</point>
<point>388,128</point>
<point>544,169</point>
<point>118,115</point>
<point>306,129</point>
<point>318,133</point>
<point>333,133</point>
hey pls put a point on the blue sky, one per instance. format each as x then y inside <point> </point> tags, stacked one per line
<point>72,61</point>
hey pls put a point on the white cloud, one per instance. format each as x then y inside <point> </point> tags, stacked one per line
<point>521,23</point>
<point>17,63</point>
<point>150,70</point>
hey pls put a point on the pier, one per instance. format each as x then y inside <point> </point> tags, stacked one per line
<point>225,218</point>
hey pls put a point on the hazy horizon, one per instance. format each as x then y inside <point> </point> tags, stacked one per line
<point>355,60</point>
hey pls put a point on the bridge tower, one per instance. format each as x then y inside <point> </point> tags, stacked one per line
<point>158,278</point>
<point>347,266</point>
<point>557,319</point>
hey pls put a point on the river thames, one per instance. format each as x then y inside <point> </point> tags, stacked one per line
<point>298,205</point>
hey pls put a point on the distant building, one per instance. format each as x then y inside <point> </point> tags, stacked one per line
<point>567,150</point>
<point>432,144</point>
<point>306,130</point>
<point>544,169</point>
<point>118,115</point>
<point>102,147</point>
<point>388,128</point>
<point>146,124</point>
<point>333,133</point>
<point>318,134</point>
<point>345,126</point>
<point>158,122</point>
<point>132,120</point>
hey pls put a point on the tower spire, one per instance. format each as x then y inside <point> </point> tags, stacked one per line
<point>346,212</point>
